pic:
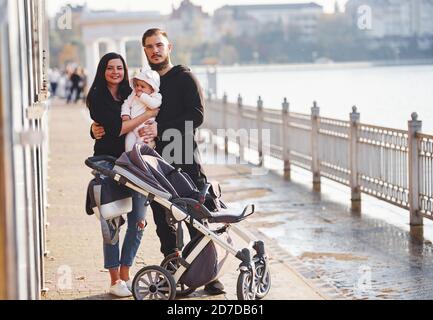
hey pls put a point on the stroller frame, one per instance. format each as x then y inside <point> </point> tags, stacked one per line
<point>254,281</point>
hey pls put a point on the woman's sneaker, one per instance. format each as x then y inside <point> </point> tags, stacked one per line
<point>120,289</point>
<point>129,285</point>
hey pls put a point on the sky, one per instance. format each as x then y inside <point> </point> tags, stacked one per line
<point>164,6</point>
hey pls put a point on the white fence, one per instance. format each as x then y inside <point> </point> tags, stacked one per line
<point>393,165</point>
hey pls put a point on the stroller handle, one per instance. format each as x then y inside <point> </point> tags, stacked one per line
<point>95,163</point>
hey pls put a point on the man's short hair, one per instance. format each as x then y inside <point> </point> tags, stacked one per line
<point>153,32</point>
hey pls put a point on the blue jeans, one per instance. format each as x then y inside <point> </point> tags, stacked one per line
<point>133,237</point>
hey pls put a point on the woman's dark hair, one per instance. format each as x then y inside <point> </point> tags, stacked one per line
<point>99,88</point>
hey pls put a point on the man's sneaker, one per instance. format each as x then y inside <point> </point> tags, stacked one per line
<point>214,288</point>
<point>120,289</point>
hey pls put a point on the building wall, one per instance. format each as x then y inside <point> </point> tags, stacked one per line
<point>303,18</point>
<point>396,18</point>
<point>426,19</point>
<point>3,205</point>
<point>114,30</point>
<point>23,151</point>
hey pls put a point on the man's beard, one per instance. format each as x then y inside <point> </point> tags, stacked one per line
<point>160,66</point>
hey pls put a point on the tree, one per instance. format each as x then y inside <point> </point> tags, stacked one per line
<point>337,40</point>
<point>228,55</point>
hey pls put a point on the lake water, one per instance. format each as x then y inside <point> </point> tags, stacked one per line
<point>385,95</point>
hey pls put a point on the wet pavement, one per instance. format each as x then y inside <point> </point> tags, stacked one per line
<point>362,255</point>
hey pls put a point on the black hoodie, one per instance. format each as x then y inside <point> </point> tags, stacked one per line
<point>182,101</point>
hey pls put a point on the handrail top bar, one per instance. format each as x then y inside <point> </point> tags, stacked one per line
<point>424,135</point>
<point>383,128</point>
<point>273,111</point>
<point>306,115</point>
<point>335,120</point>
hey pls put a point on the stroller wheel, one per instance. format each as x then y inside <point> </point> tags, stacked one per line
<point>263,281</point>
<point>154,283</point>
<point>172,264</point>
<point>244,291</point>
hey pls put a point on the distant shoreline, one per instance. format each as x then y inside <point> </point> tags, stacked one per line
<point>314,66</point>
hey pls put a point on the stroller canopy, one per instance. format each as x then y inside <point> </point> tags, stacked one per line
<point>151,169</point>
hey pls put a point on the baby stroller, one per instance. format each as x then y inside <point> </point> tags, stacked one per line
<point>203,259</point>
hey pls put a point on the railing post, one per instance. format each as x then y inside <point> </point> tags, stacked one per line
<point>226,137</point>
<point>285,140</point>
<point>353,160</point>
<point>415,127</point>
<point>260,129</point>
<point>240,139</point>
<point>315,166</point>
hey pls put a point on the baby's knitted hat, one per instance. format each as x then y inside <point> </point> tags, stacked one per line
<point>149,76</point>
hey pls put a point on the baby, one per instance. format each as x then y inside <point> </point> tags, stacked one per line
<point>145,95</point>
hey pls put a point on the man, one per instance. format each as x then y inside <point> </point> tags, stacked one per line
<point>183,110</point>
<point>75,80</point>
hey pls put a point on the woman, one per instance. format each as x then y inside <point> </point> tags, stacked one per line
<point>105,99</point>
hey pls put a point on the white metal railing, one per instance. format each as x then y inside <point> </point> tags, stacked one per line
<point>383,164</point>
<point>392,165</point>
<point>334,144</point>
<point>425,145</point>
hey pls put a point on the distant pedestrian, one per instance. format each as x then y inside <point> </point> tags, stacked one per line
<point>76,86</point>
<point>54,78</point>
<point>83,84</point>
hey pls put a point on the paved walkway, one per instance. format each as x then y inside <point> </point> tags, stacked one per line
<point>74,267</point>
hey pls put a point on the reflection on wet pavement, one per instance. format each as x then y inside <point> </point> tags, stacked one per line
<point>363,256</point>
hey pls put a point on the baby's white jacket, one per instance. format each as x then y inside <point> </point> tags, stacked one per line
<point>135,106</point>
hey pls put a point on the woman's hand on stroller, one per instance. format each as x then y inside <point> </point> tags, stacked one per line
<point>98,131</point>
